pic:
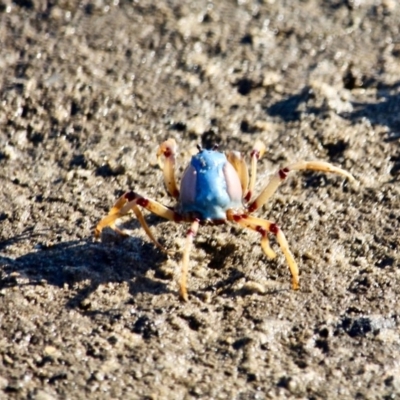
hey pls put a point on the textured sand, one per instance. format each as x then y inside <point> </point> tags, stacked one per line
<point>88,91</point>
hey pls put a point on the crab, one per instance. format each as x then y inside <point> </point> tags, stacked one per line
<point>215,188</point>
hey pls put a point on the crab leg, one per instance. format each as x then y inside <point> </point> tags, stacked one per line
<point>131,201</point>
<point>168,150</point>
<point>238,162</point>
<point>191,233</point>
<point>264,227</point>
<point>256,154</point>
<point>282,174</point>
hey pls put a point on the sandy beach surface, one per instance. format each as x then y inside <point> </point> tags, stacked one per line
<point>89,90</point>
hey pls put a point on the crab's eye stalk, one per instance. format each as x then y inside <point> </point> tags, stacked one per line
<point>199,148</point>
<point>215,147</point>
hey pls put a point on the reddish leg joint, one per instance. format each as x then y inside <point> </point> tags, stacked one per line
<point>274,228</point>
<point>190,231</point>
<point>130,196</point>
<point>283,173</point>
<point>255,153</point>
<point>248,196</point>
<point>167,152</point>
<point>142,202</point>
<point>237,218</point>
<point>261,230</point>
<point>252,207</point>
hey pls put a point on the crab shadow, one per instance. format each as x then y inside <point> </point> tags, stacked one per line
<point>86,264</point>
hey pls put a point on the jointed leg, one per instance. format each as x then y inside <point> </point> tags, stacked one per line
<point>185,259</point>
<point>264,237</point>
<point>168,150</point>
<point>264,227</point>
<point>282,174</point>
<point>256,154</point>
<point>238,162</point>
<point>131,201</point>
